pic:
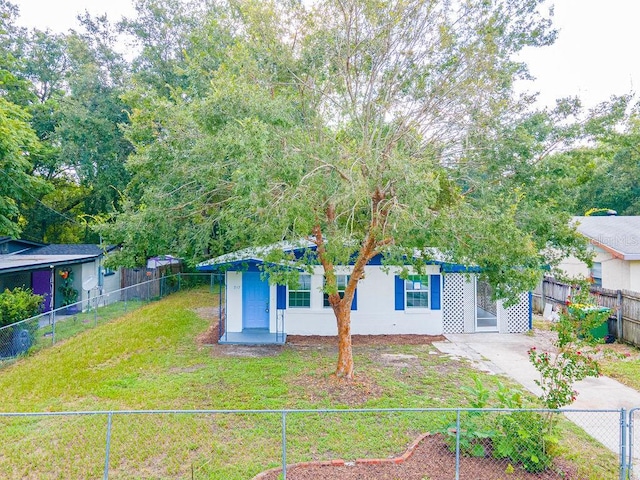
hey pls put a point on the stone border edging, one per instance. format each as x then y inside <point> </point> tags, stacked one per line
<point>360,461</point>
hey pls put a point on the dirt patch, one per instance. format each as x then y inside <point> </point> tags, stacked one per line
<point>369,340</point>
<point>338,391</point>
<point>208,313</point>
<point>191,369</point>
<point>249,351</point>
<point>430,459</point>
<point>209,337</point>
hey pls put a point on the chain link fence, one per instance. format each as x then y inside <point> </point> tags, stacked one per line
<point>48,328</point>
<point>434,444</point>
<point>633,435</point>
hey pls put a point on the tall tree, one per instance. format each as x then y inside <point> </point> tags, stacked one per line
<point>17,141</point>
<point>369,127</point>
<point>78,79</point>
<point>614,171</point>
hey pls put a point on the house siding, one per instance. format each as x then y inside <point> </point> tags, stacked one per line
<point>381,308</point>
<point>617,274</point>
<point>375,313</point>
<point>634,276</point>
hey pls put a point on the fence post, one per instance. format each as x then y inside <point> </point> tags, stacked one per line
<point>623,444</point>
<point>108,447</point>
<point>630,428</point>
<point>220,308</point>
<point>179,281</point>
<point>284,445</point>
<point>458,444</point>
<point>619,322</point>
<point>53,329</point>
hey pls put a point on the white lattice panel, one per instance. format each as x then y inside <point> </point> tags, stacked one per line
<point>518,315</point>
<point>453,303</point>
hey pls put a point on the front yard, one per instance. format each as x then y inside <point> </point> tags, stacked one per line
<point>157,357</point>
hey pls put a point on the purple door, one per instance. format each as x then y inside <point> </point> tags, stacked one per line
<point>41,285</point>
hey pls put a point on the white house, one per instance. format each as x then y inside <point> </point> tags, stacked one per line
<point>615,240</point>
<point>447,298</point>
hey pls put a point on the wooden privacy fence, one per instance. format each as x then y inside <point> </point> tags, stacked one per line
<point>136,276</point>
<point>624,305</point>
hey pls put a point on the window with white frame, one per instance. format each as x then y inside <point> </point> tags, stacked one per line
<point>300,297</point>
<point>341,282</point>
<point>416,291</point>
<point>596,274</point>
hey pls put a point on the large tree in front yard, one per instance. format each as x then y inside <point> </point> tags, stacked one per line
<point>369,127</point>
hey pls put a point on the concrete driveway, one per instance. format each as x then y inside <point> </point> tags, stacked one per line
<point>506,354</point>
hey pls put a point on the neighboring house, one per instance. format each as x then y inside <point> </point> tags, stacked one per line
<point>38,267</point>
<point>10,245</point>
<point>161,261</point>
<point>615,241</point>
<point>448,298</point>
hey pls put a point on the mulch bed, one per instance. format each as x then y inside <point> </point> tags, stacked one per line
<point>356,340</point>
<point>430,459</point>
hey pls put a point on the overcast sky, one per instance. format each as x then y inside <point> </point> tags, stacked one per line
<point>597,53</point>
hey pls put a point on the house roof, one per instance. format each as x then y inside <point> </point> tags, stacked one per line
<point>43,256</point>
<point>255,255</point>
<point>618,235</point>
<point>251,255</point>
<point>12,245</point>
<point>67,249</point>
<point>26,262</point>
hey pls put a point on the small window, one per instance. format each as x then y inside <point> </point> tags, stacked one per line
<point>300,297</point>
<point>107,271</point>
<point>416,288</point>
<point>596,274</point>
<point>341,281</point>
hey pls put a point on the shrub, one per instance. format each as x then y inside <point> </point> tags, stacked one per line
<point>18,304</point>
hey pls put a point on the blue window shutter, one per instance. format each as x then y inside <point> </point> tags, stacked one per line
<point>399,293</point>
<point>281,297</point>
<point>354,303</point>
<point>435,292</point>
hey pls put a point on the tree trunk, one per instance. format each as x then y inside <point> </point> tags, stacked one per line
<point>344,368</point>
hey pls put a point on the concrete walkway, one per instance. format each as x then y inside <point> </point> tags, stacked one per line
<point>506,354</point>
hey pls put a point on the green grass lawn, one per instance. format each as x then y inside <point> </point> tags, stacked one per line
<point>151,359</point>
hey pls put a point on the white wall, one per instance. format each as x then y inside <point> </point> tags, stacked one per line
<point>634,276</point>
<point>574,267</point>
<point>111,283</point>
<point>617,274</point>
<point>233,307</point>
<point>375,312</point>
<point>89,269</point>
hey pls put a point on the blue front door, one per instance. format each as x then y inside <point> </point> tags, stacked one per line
<point>255,301</point>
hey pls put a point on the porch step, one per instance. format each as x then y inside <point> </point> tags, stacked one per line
<point>253,337</point>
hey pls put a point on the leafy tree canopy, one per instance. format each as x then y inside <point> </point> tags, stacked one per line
<point>369,127</point>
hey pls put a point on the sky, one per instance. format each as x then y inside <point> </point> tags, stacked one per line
<point>595,56</point>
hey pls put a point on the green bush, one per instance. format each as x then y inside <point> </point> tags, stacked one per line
<point>18,304</point>
<point>522,436</point>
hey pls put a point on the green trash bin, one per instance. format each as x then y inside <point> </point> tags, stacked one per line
<point>601,331</point>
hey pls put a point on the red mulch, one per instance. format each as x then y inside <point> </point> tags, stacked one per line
<point>430,460</point>
<point>365,339</point>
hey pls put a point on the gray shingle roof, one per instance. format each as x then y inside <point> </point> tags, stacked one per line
<point>67,249</point>
<point>617,234</point>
